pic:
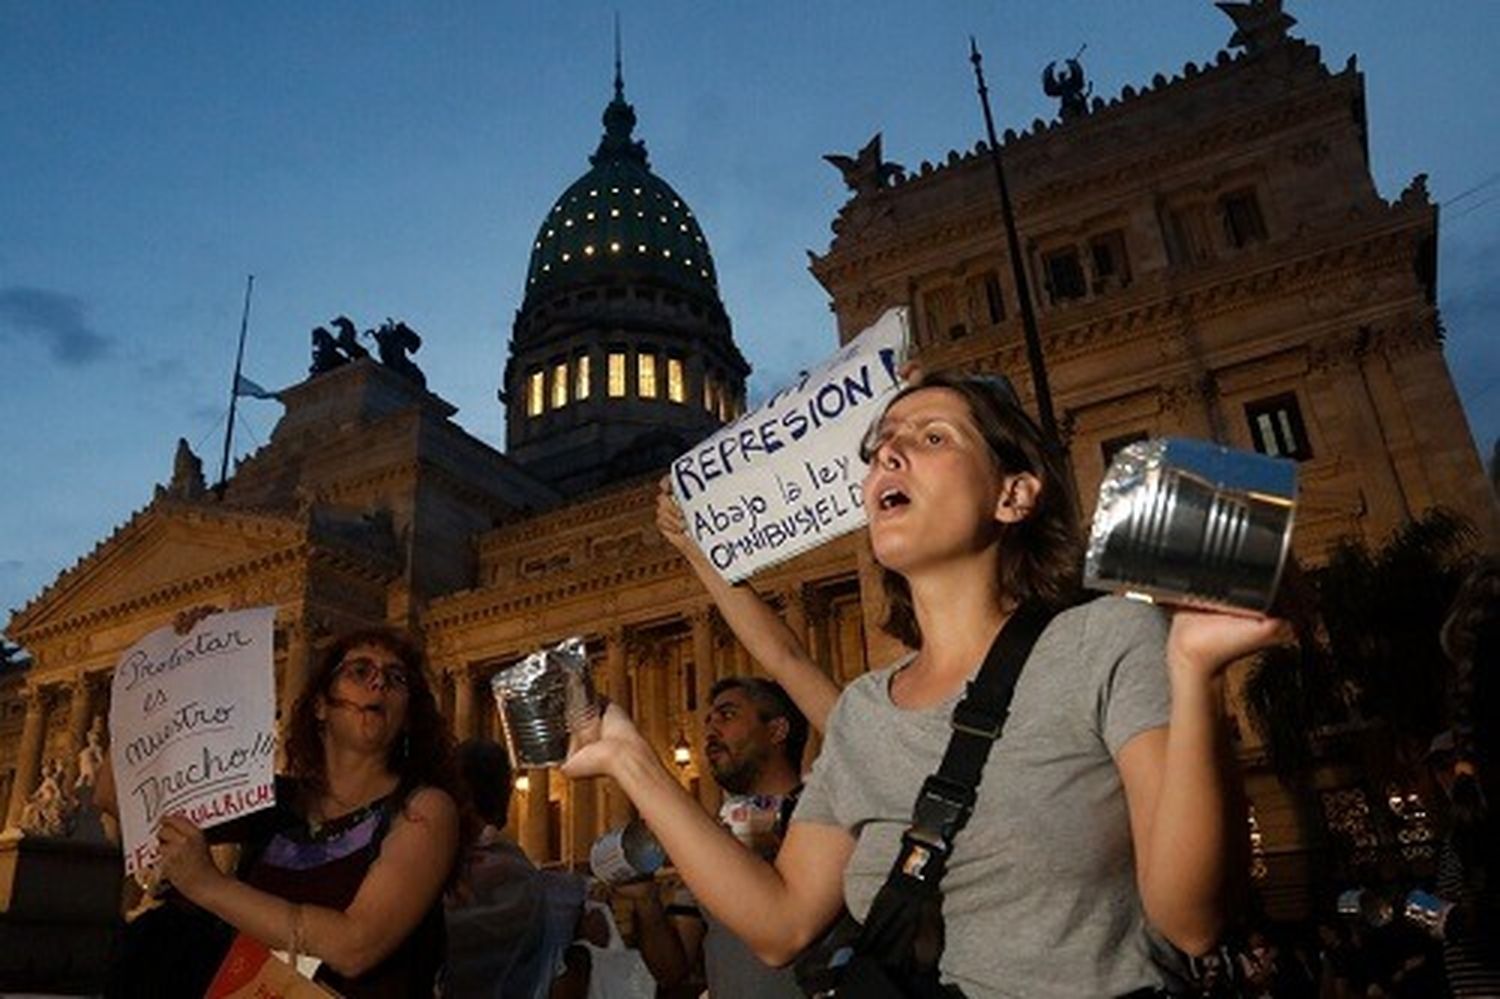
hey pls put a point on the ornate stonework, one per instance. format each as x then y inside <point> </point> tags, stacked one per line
<point>1208,255</point>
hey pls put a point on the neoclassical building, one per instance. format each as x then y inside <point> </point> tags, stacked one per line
<point>1208,255</point>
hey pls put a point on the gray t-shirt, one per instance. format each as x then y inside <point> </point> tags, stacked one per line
<point>1040,896</point>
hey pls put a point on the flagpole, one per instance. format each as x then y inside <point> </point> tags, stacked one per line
<point>1031,334</point>
<point>234,385</point>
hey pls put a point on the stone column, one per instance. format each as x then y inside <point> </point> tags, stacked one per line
<point>703,682</point>
<point>80,714</point>
<point>29,761</point>
<point>617,806</point>
<point>535,827</point>
<point>792,598</point>
<point>463,703</point>
<point>583,828</point>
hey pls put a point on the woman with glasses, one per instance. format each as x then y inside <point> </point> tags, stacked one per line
<point>1103,825</point>
<point>350,866</point>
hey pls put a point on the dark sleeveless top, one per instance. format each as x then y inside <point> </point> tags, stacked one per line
<point>325,864</point>
<point>175,949</point>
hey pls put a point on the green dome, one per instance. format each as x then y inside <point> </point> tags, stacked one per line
<point>620,220</point>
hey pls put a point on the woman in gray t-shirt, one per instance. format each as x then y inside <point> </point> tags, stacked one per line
<point>1103,827</point>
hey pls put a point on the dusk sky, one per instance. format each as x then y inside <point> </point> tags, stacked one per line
<point>384,159</point>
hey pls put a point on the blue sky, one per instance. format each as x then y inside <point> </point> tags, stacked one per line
<point>394,159</point>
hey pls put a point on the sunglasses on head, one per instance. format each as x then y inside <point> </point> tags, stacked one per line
<point>364,671</point>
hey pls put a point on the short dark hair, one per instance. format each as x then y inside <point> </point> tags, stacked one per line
<point>771,701</point>
<point>1040,555</point>
<point>486,771</point>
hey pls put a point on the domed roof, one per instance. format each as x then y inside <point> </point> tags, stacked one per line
<point>620,219</point>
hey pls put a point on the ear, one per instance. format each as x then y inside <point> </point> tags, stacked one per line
<point>779,728</point>
<point>1018,496</point>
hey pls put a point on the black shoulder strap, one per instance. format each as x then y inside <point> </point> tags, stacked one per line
<point>947,797</point>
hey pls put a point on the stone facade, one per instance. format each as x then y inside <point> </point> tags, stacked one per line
<point>1208,255</point>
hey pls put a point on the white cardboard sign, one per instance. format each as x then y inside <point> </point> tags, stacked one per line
<point>786,477</point>
<point>192,727</point>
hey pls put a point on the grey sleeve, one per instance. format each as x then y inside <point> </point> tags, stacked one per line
<point>1126,642</point>
<point>816,803</point>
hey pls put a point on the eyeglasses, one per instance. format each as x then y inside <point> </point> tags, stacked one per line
<point>365,671</point>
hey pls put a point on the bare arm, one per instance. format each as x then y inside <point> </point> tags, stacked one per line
<point>664,950</point>
<point>1177,782</point>
<point>777,910</point>
<point>759,628</point>
<point>399,888</point>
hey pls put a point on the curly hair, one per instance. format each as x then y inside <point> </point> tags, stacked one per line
<point>422,756</point>
<point>1039,556</point>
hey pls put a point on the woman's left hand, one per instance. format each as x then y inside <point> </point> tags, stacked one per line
<point>185,860</point>
<point>1202,643</point>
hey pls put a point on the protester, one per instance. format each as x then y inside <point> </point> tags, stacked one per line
<point>753,742</point>
<point>350,865</point>
<point>508,923</point>
<point>755,623</point>
<point>1103,822</point>
<point>599,965</point>
<point>1469,857</point>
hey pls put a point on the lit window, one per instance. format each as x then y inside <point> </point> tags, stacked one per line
<point>1276,427</point>
<point>614,247</point>
<point>646,371</point>
<point>708,393</point>
<point>614,213</point>
<point>567,223</point>
<point>536,392</point>
<point>667,254</point>
<point>566,257</point>
<point>588,251</point>
<point>640,248</point>
<point>676,387</point>
<point>560,385</point>
<point>616,374</point>
<point>581,377</point>
<point>590,216</point>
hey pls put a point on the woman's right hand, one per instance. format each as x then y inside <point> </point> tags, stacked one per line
<point>601,746</point>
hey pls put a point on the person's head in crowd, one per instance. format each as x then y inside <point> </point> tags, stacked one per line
<point>486,772</point>
<point>752,727</point>
<point>370,691</point>
<point>1031,518</point>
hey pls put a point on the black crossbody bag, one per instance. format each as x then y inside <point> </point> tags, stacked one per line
<point>894,954</point>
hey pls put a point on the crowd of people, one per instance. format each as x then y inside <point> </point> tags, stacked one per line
<point>1036,800</point>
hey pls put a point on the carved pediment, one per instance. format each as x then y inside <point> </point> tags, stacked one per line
<point>167,544</point>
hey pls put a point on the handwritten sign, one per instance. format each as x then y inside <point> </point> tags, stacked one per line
<point>786,477</point>
<point>192,727</point>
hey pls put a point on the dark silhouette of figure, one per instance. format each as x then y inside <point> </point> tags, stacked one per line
<point>348,339</point>
<point>394,341</point>
<point>325,353</point>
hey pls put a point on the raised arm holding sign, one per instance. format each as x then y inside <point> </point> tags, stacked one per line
<point>785,478</point>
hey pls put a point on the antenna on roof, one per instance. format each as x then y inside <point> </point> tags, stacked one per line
<point>619,77</point>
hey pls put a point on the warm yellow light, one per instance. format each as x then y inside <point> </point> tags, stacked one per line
<point>536,393</point>
<point>523,782</point>
<point>614,247</point>
<point>588,251</point>
<point>676,383</point>
<point>646,370</point>
<point>581,377</point>
<point>617,375</point>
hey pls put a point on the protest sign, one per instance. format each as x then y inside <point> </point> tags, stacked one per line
<point>192,727</point>
<point>786,477</point>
